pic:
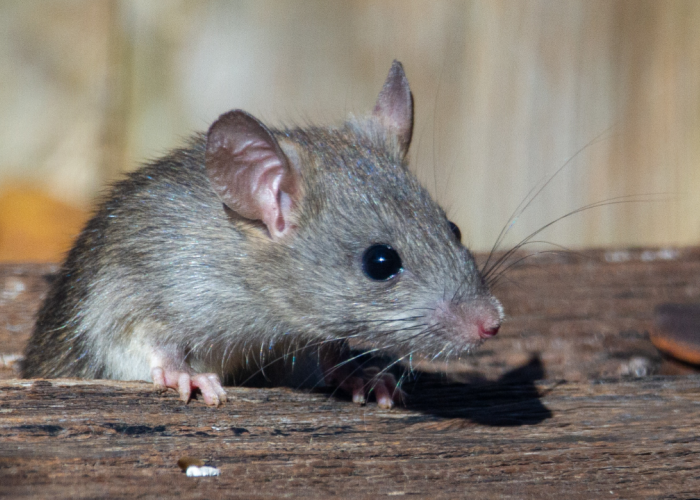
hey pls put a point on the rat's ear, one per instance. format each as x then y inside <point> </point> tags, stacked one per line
<point>394,107</point>
<point>250,173</point>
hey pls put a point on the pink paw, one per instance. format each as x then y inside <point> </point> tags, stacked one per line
<point>207,383</point>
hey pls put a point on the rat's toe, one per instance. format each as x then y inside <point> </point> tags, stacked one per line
<point>386,390</point>
<point>210,387</point>
<point>383,395</point>
<point>356,387</point>
<point>158,376</point>
<point>184,387</point>
<point>216,384</point>
<point>208,384</point>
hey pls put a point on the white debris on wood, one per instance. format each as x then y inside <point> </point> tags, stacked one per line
<point>203,471</point>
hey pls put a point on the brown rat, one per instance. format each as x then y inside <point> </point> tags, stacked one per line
<point>253,243</point>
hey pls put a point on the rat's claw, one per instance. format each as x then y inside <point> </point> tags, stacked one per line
<point>207,383</point>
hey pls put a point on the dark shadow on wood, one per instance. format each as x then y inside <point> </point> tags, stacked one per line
<point>513,400</point>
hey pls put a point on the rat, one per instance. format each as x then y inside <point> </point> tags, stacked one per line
<point>255,244</point>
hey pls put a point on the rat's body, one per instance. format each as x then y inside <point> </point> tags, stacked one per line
<point>252,243</point>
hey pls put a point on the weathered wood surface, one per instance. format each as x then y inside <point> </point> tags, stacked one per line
<point>569,401</point>
<point>74,439</point>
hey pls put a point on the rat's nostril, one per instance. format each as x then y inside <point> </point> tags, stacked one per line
<point>487,331</point>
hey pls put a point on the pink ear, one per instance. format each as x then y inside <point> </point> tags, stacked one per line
<point>249,171</point>
<point>394,107</point>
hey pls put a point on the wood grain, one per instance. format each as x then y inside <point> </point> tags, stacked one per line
<point>570,400</point>
<point>77,439</point>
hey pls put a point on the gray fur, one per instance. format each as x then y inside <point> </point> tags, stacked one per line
<point>163,264</point>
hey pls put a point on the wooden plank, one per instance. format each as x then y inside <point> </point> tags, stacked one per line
<point>566,402</point>
<point>77,439</point>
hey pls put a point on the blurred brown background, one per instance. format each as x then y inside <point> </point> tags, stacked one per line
<point>505,93</point>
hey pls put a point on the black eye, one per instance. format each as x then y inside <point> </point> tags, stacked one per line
<point>381,262</point>
<point>455,230</point>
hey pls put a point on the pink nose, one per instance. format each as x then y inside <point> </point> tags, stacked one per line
<point>488,331</point>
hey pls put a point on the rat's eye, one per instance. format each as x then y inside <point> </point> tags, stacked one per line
<point>381,262</point>
<point>455,230</point>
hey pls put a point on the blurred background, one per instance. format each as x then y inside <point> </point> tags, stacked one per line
<point>506,93</point>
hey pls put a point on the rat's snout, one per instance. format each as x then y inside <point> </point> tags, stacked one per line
<point>469,322</point>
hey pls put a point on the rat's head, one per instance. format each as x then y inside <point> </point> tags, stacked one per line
<point>355,247</point>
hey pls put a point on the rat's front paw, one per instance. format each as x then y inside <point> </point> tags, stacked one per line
<point>207,383</point>
<point>360,382</point>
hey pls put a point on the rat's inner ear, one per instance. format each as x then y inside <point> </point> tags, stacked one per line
<point>394,107</point>
<point>250,173</point>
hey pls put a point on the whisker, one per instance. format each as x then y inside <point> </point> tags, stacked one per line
<point>508,265</point>
<point>492,283</point>
<point>608,202</point>
<point>529,198</point>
